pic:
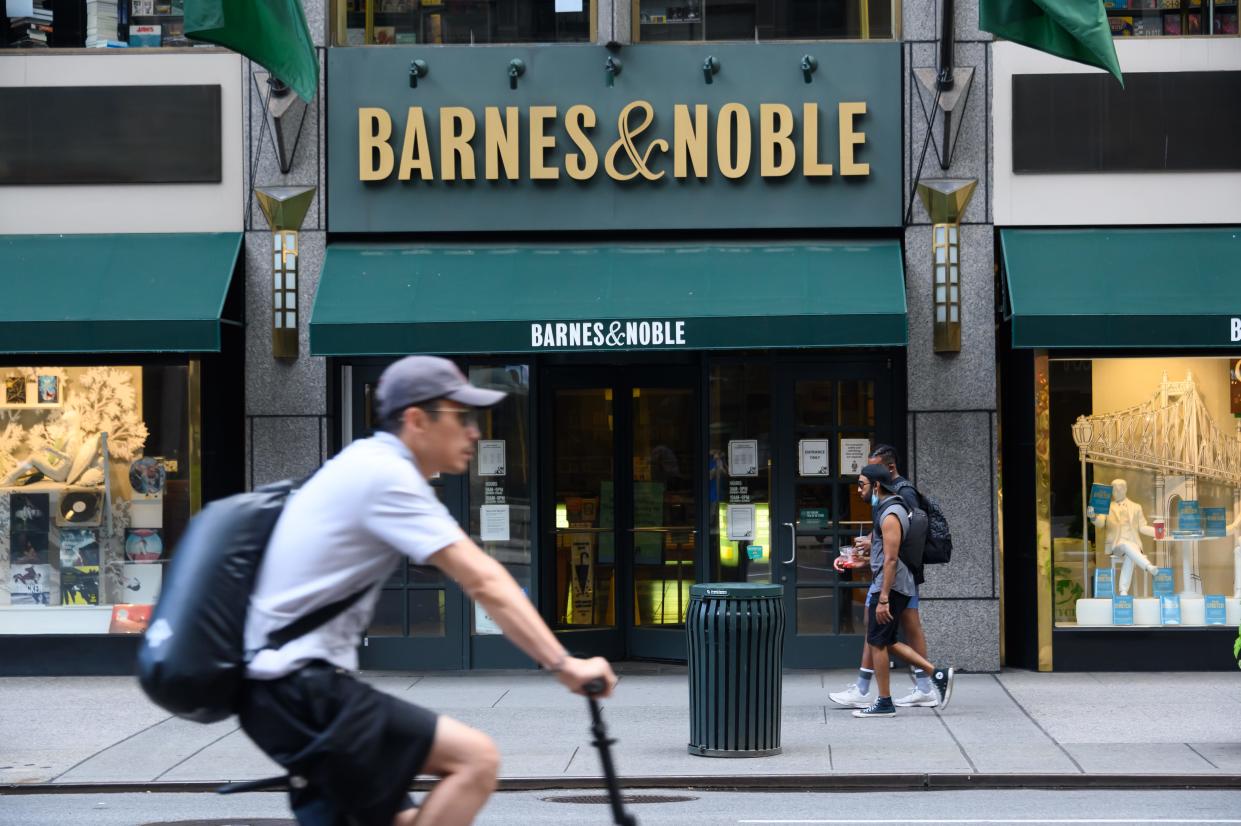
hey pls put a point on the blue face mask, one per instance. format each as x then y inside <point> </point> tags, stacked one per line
<point>874,500</point>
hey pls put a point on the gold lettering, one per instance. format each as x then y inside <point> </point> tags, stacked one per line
<point>374,132</point>
<point>578,119</point>
<point>457,127</point>
<point>849,138</point>
<point>416,150</point>
<point>733,116</point>
<point>627,131</point>
<point>811,167</point>
<point>541,143</point>
<point>501,143</point>
<point>775,125</point>
<point>689,140</point>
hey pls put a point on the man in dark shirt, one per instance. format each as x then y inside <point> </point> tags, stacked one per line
<point>861,694</point>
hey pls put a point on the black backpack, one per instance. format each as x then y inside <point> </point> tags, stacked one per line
<point>913,542</point>
<point>938,547</point>
<point>192,661</point>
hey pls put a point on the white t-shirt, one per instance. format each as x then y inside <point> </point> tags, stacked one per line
<point>348,528</point>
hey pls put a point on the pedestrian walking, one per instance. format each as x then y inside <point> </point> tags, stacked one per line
<point>891,591</point>
<point>860,694</point>
<point>351,750</point>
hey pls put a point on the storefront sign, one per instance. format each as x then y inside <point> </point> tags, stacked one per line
<point>595,335</point>
<point>659,149</point>
<point>493,523</point>
<point>740,523</point>
<point>1234,382</point>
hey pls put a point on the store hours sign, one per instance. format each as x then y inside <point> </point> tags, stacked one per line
<point>658,149</point>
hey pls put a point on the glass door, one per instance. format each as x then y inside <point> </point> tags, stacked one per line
<point>828,417</point>
<point>622,494</point>
<point>420,618</point>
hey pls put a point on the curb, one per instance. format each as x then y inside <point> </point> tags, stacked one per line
<point>773,783</point>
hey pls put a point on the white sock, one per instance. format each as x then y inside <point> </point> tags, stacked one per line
<point>922,680</point>
<point>863,680</point>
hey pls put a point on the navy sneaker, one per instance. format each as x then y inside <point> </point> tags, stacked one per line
<point>943,678</point>
<point>882,707</point>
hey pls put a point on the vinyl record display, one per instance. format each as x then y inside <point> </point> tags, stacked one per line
<point>80,508</point>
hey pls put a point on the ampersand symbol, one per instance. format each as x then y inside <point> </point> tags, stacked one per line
<point>614,336</point>
<point>627,134</point>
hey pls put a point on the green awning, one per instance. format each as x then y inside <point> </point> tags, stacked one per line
<point>137,293</point>
<point>397,299</point>
<point>1108,288</point>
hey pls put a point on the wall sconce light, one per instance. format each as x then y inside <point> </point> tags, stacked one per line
<point>417,69</point>
<point>945,200</point>
<point>710,68</point>
<point>612,68</point>
<point>516,68</point>
<point>285,208</point>
<point>808,66</point>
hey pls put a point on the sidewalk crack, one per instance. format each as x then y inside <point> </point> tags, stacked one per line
<point>197,752</point>
<point>571,756</point>
<point>112,746</point>
<point>1200,754</point>
<point>1030,717</point>
<point>831,764</point>
<point>414,683</point>
<point>502,696</point>
<point>964,753</point>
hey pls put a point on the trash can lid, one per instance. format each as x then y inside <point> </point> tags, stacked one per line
<point>737,590</point>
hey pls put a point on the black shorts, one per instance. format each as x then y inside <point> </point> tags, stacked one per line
<point>881,636</point>
<point>357,748</point>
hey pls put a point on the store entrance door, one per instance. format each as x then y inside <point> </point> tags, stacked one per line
<point>827,417</point>
<point>620,504</point>
<point>420,619</point>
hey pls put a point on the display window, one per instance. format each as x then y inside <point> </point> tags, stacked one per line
<point>1139,460</point>
<point>98,467</point>
<point>688,20</point>
<point>400,22</point>
<point>1163,18</point>
<point>138,24</point>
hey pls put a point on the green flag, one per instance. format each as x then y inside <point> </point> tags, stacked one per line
<point>272,33</point>
<point>1072,29</point>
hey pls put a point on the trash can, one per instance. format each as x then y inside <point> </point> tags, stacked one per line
<point>736,651</point>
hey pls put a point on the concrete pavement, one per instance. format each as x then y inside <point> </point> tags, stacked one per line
<point>1012,728</point>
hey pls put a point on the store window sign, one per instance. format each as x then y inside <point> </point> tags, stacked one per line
<point>699,143</point>
<point>595,335</point>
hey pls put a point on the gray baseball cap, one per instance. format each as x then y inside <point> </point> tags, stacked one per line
<point>417,379</point>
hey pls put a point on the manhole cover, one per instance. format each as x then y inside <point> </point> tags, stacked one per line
<point>626,798</point>
<point>228,821</point>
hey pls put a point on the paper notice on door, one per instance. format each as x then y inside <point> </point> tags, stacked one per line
<point>493,523</point>
<point>853,456</point>
<point>740,523</point>
<point>743,457</point>
<point>813,457</point>
<point>491,457</point>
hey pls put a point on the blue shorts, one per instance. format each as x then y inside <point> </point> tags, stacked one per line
<point>913,601</point>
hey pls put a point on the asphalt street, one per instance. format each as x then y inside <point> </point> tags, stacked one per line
<point>701,808</point>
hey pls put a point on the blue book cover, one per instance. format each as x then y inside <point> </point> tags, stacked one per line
<point>1216,608</point>
<point>1188,518</point>
<point>1165,582</point>
<point>1100,498</point>
<point>1216,521</point>
<point>1170,610</point>
<point>1122,610</point>
<point>1103,583</point>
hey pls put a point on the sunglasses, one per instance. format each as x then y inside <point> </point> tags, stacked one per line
<point>467,417</point>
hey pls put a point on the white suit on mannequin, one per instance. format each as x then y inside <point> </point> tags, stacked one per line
<point>1125,523</point>
<point>1236,555</point>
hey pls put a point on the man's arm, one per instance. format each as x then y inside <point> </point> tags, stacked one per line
<point>891,528</point>
<point>488,583</point>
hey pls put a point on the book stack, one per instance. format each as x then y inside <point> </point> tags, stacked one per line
<point>101,23</point>
<point>40,22</point>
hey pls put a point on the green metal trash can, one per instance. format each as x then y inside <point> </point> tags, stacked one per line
<point>736,651</point>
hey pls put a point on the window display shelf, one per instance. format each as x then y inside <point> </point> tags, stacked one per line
<point>44,619</point>
<point>34,406</point>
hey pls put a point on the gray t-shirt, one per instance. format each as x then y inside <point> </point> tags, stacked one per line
<point>904,581</point>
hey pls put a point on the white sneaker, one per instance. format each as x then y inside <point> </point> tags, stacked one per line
<point>918,699</point>
<point>853,698</point>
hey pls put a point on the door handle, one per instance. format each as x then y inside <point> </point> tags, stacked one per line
<point>793,543</point>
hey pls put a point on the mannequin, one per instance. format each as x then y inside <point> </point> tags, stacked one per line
<point>1125,522</point>
<point>1233,531</point>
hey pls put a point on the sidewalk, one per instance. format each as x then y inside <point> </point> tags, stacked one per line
<point>1001,729</point>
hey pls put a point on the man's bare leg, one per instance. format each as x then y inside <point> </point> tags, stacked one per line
<point>906,653</point>
<point>911,625</point>
<point>467,762</point>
